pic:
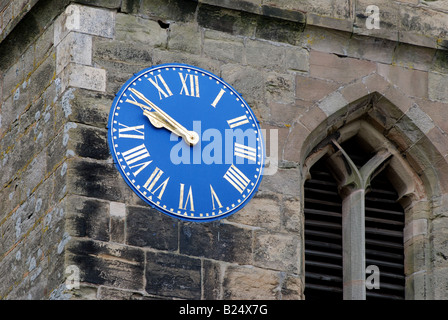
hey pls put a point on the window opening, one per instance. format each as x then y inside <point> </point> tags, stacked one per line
<point>384,222</point>
<point>323,235</point>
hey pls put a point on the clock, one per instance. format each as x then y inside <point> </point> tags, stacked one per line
<point>186,142</point>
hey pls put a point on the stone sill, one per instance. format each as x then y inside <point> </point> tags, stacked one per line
<point>354,24</point>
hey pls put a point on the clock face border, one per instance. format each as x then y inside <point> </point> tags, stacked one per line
<point>127,179</point>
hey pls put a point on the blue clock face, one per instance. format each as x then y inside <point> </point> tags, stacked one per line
<point>186,142</point>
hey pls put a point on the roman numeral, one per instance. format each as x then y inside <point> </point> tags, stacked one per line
<point>194,85</point>
<point>188,199</point>
<point>236,178</point>
<point>245,152</point>
<point>215,198</point>
<point>134,155</point>
<point>218,97</point>
<point>155,83</point>
<point>152,181</point>
<point>134,132</point>
<point>237,121</point>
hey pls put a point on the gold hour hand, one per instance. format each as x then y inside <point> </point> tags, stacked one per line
<point>152,116</point>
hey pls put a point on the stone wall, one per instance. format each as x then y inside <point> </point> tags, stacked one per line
<point>303,67</point>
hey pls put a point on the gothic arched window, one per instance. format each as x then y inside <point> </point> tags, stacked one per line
<point>353,225</point>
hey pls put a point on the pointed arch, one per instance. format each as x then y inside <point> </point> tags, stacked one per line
<point>395,117</point>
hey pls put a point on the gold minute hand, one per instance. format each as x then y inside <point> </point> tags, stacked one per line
<point>190,137</point>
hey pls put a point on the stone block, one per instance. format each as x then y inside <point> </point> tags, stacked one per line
<point>437,88</point>
<point>34,172</point>
<point>292,287</point>
<point>89,142</point>
<point>75,47</point>
<point>332,8</point>
<point>53,228</point>
<point>219,241</point>
<point>440,285</point>
<point>146,227</point>
<point>164,56</point>
<point>112,4</point>
<point>422,26</point>
<point>121,51</point>
<point>297,59</point>
<point>441,169</point>
<point>323,40</point>
<point>139,31</point>
<point>170,10</point>
<point>247,80</point>
<point>416,286</point>
<point>241,5</point>
<point>354,92</point>
<point>117,222</point>
<point>28,61</point>
<point>420,119</point>
<point>423,156</point>
<point>415,253</point>
<point>84,77</point>
<point>173,275</point>
<point>87,217</point>
<point>185,38</point>
<point>56,153</point>
<point>97,180</point>
<point>84,19</point>
<point>292,215</point>
<point>339,69</point>
<point>283,181</point>
<point>310,89</point>
<point>436,111</point>
<point>440,62</point>
<point>371,48</point>
<point>12,78</point>
<point>90,108</point>
<point>130,6</point>
<point>282,116</point>
<point>401,102</point>
<point>212,277</point>
<point>413,57</point>
<point>439,140</point>
<point>223,47</point>
<point>297,135</point>
<point>262,211</point>
<point>414,229</point>
<point>248,282</point>
<point>107,264</point>
<point>440,254</point>
<point>408,130</point>
<point>277,251</point>
<point>273,26</point>
<point>230,21</point>
<point>263,54</point>
<point>412,82</point>
<point>345,24</point>
<point>279,88</point>
<point>333,103</point>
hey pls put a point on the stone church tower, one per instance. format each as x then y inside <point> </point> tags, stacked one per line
<point>352,96</point>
